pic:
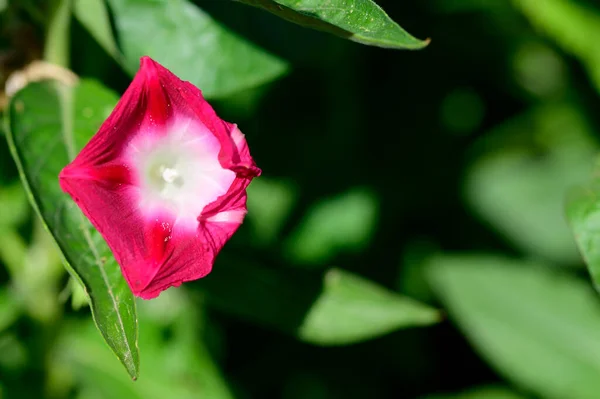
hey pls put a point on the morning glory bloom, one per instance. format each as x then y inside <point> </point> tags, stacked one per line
<point>163,181</point>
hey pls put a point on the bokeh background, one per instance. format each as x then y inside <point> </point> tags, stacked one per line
<point>437,174</point>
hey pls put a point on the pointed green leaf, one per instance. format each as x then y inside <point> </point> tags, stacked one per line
<point>180,367</point>
<point>191,44</point>
<point>351,309</point>
<point>361,21</point>
<point>537,326</point>
<point>337,308</point>
<point>47,125</point>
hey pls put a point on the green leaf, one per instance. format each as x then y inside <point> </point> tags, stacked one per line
<point>336,308</point>
<point>342,223</point>
<point>93,14</point>
<point>583,212</point>
<point>361,21</point>
<point>535,325</point>
<point>47,124</point>
<point>58,27</point>
<point>351,309</point>
<point>519,184</point>
<point>192,45</point>
<point>179,367</point>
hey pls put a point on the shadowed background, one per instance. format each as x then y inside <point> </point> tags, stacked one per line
<point>438,174</point>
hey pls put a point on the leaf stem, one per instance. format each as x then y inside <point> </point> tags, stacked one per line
<point>56,49</point>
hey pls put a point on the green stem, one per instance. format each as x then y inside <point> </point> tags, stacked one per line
<point>56,49</point>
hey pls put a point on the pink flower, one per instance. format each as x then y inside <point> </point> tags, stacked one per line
<point>164,181</point>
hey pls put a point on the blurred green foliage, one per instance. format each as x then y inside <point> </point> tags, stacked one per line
<point>47,124</point>
<point>395,183</point>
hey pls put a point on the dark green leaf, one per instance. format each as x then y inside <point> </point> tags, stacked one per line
<point>336,308</point>
<point>362,21</point>
<point>538,327</point>
<point>191,44</point>
<point>47,125</point>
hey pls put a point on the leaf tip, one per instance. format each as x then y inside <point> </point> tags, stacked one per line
<point>431,316</point>
<point>419,44</point>
<point>133,370</point>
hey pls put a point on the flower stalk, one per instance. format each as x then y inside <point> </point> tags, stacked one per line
<point>56,47</point>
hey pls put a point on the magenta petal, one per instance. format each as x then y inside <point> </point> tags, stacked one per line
<point>164,181</point>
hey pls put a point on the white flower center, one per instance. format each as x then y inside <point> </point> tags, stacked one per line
<point>168,174</point>
<point>178,171</point>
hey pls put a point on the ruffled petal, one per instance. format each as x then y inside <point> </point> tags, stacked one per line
<point>163,181</point>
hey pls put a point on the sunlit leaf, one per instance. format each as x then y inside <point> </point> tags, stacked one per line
<point>362,21</point>
<point>351,308</point>
<point>47,125</point>
<point>536,326</point>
